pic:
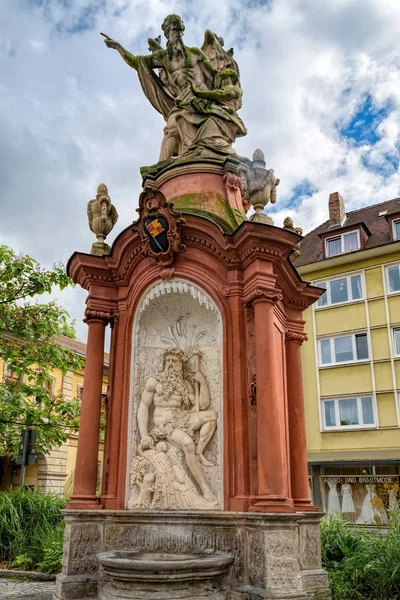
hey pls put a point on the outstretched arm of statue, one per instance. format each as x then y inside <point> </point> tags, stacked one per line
<point>143,413</point>
<point>204,395</point>
<point>131,59</point>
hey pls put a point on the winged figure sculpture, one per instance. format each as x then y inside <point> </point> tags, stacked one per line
<point>197,90</point>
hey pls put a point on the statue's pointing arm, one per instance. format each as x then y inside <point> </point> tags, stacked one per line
<point>129,58</point>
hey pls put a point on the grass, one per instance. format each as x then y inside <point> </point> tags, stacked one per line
<point>31,530</point>
<point>361,565</point>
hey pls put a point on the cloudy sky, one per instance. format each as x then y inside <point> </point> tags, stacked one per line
<point>321,82</point>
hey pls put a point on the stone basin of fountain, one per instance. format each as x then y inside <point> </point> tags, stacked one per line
<point>165,576</point>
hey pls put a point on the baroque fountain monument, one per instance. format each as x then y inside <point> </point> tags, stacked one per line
<point>204,486</point>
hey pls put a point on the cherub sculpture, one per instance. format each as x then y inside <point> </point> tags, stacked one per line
<point>181,88</point>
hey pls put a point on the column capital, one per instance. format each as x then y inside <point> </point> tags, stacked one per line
<point>263,295</point>
<point>97,315</point>
<point>295,336</point>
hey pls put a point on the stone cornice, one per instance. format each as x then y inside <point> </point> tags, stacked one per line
<point>174,170</point>
<point>207,248</point>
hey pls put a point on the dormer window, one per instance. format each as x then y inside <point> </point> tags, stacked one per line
<point>396,229</point>
<point>345,242</point>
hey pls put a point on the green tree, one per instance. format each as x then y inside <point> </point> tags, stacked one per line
<point>29,349</point>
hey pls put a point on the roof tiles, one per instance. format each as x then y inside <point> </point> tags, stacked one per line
<point>311,245</point>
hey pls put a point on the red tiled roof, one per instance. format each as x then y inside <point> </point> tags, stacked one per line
<point>78,347</point>
<point>311,244</point>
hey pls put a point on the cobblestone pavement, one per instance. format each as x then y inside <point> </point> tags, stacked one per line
<point>34,590</point>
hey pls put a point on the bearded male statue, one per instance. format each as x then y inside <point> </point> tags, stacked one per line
<point>194,119</point>
<point>180,410</point>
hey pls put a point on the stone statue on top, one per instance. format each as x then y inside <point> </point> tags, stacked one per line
<point>197,91</point>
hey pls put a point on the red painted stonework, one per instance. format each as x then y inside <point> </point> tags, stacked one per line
<point>225,184</point>
<point>261,298</point>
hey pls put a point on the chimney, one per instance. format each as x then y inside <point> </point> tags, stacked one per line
<point>337,212</point>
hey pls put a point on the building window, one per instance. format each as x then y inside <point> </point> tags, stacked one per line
<point>49,385</point>
<point>396,341</point>
<point>343,349</point>
<point>362,498</point>
<point>396,229</point>
<point>355,412</point>
<point>393,279</point>
<point>10,375</point>
<point>339,291</point>
<point>346,242</point>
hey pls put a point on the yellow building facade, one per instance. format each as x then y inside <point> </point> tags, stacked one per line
<point>54,472</point>
<point>351,363</point>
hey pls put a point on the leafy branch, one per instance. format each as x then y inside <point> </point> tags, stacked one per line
<point>31,351</point>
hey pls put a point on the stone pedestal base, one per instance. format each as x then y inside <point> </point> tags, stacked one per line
<point>275,556</point>
<point>170,591</point>
<point>207,188</point>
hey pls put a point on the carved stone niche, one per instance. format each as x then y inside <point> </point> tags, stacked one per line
<point>176,400</point>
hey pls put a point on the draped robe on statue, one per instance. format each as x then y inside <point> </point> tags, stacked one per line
<point>201,123</point>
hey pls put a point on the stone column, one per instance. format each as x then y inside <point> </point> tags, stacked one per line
<point>297,427</point>
<point>237,413</point>
<point>84,496</point>
<point>272,435</point>
<point>116,454</point>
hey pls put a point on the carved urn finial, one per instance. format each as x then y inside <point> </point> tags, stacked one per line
<point>258,186</point>
<point>102,216</point>
<point>258,159</point>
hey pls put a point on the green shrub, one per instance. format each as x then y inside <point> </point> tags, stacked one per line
<point>52,550</point>
<point>361,565</point>
<point>337,542</point>
<point>374,570</point>
<point>31,528</point>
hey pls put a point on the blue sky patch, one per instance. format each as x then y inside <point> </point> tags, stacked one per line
<point>259,3</point>
<point>304,189</point>
<point>385,167</point>
<point>362,127</point>
<point>82,22</point>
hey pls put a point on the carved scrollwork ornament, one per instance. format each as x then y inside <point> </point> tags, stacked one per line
<point>232,181</point>
<point>296,336</point>
<point>159,227</point>
<point>263,294</point>
<point>97,315</point>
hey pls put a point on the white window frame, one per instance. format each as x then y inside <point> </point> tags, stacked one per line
<point>341,236</point>
<point>359,411</point>
<point>387,283</point>
<point>394,223</point>
<point>53,384</point>
<point>7,369</point>
<point>395,352</point>
<point>328,289</point>
<point>332,339</point>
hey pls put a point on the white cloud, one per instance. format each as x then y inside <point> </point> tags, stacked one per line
<point>72,113</point>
